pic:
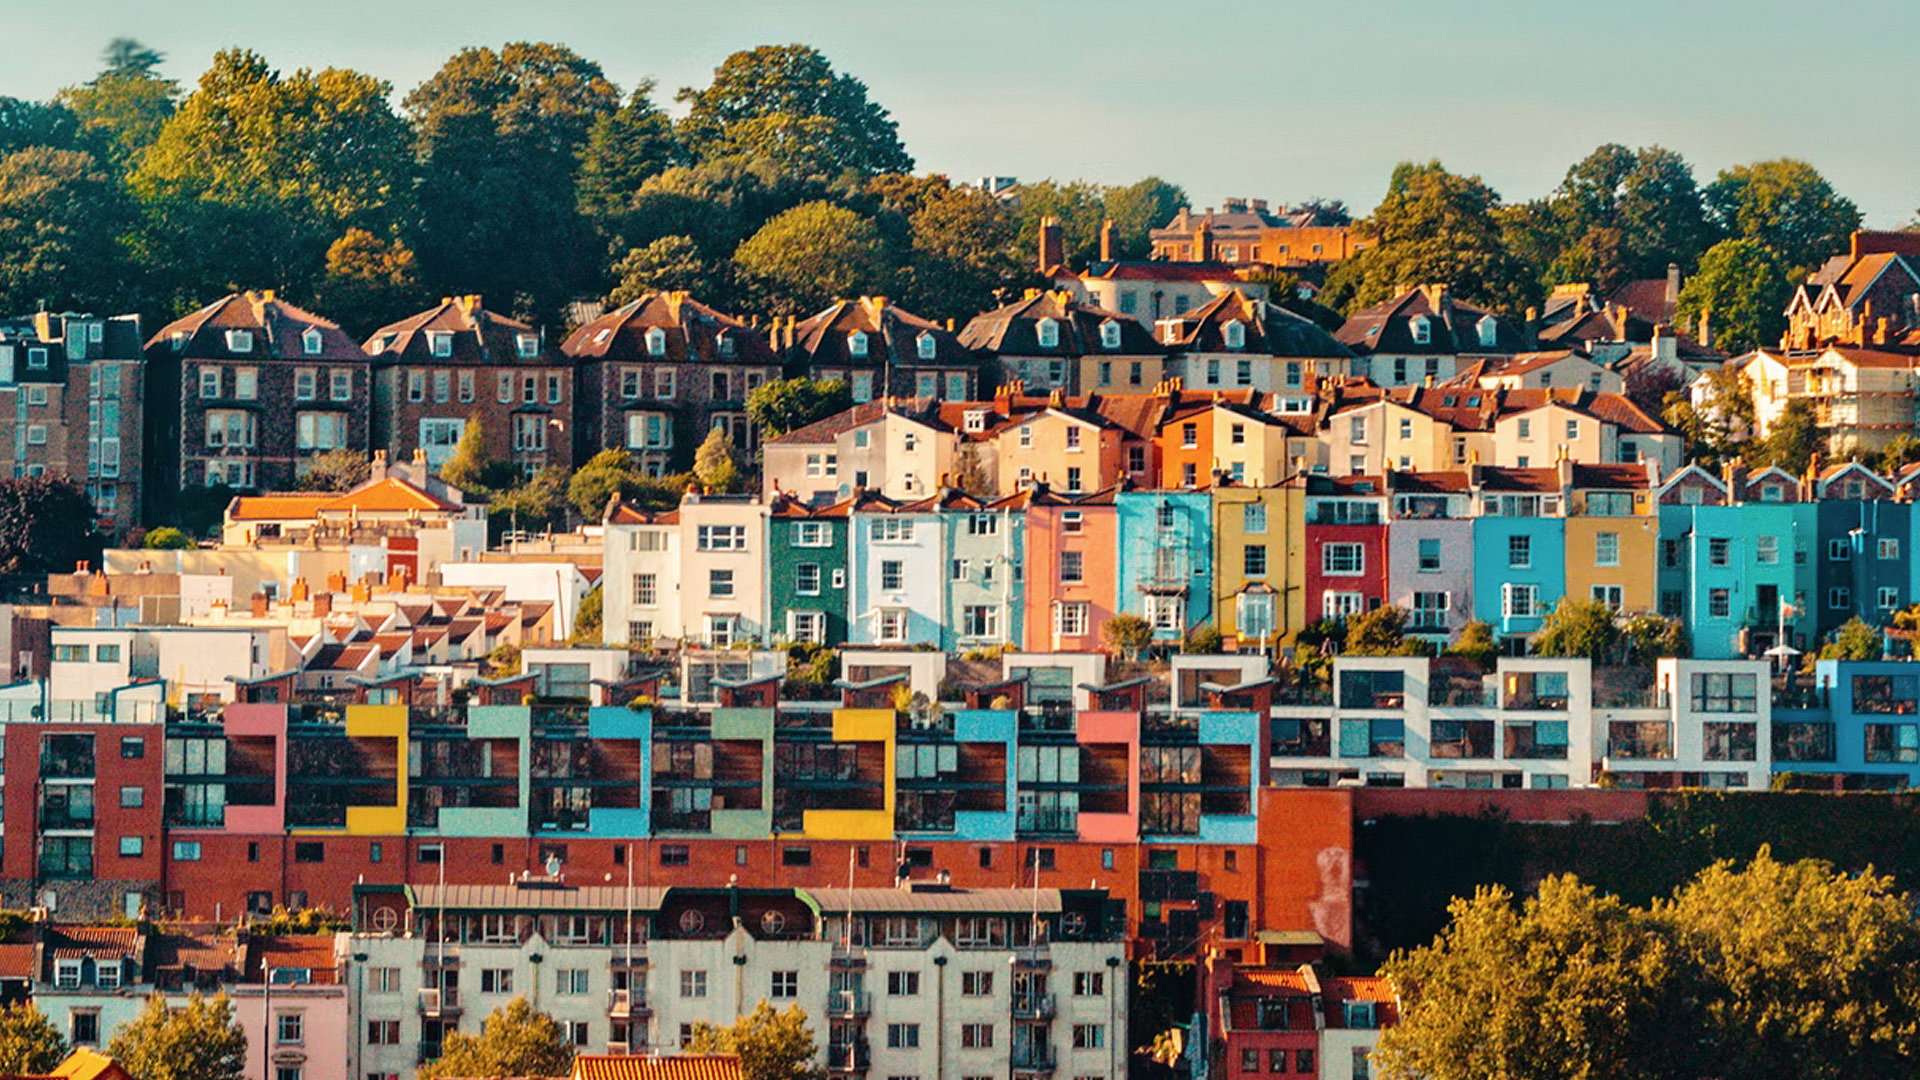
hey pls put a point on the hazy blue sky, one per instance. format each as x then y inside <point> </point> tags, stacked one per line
<point>1274,99</point>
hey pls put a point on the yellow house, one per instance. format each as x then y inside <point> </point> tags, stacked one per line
<point>1260,545</point>
<point>1070,449</point>
<point>1612,535</point>
<point>1539,427</point>
<point>1375,436</point>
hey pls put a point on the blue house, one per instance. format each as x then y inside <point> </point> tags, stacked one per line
<point>1166,559</point>
<point>1862,548</point>
<point>1519,547</point>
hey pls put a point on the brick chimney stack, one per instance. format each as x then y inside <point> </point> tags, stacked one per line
<point>1203,239</point>
<point>1109,241</point>
<point>1673,284</point>
<point>1053,244</point>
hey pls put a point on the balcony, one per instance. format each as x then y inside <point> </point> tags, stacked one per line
<point>1640,742</point>
<point>1047,820</point>
<point>627,1004</point>
<point>1033,1006</point>
<point>849,1057</point>
<point>440,1004</point>
<point>849,1004</point>
<point>1033,1059</point>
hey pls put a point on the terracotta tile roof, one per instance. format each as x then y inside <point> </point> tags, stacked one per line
<point>656,1067</point>
<point>340,658</point>
<point>97,941</point>
<point>85,1064</point>
<point>278,507</point>
<point>387,495</point>
<point>203,948</point>
<point>1428,483</point>
<point>1158,270</point>
<point>17,962</point>
<point>624,513</point>
<point>621,334</point>
<point>1616,477</point>
<point>827,430</point>
<point>313,952</point>
<point>1868,358</point>
<point>1270,981</point>
<point>1500,478</point>
<point>1646,297</point>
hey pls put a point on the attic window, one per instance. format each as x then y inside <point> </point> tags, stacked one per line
<point>440,342</point>
<point>1473,402</point>
<point>1449,401</point>
<point>656,341</point>
<point>1170,333</point>
<point>1048,331</point>
<point>1489,331</point>
<point>925,345</point>
<point>239,341</point>
<point>310,341</point>
<point>1109,335</point>
<point>976,420</point>
<point>1422,330</point>
<point>857,344</point>
<point>601,337</point>
<point>1235,333</point>
<point>528,345</point>
<point>723,343</point>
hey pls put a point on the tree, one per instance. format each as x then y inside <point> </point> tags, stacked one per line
<point>471,467</point>
<point>341,469</point>
<point>1570,984</point>
<point>1128,634</point>
<point>1787,206</point>
<point>29,1043</point>
<point>1137,209</point>
<point>1380,632</point>
<point>1476,644</point>
<point>1204,640</point>
<point>199,1040</point>
<point>257,174</point>
<point>1796,439</point>
<point>369,281</point>
<point>671,263</point>
<point>1578,628</point>
<point>1647,637</point>
<point>626,148</point>
<point>783,405</point>
<point>63,218</point>
<point>1741,288</point>
<point>961,255</point>
<point>515,1040</point>
<point>166,538</point>
<point>1433,226</point>
<point>586,621</point>
<point>813,254</point>
<point>123,108</point>
<point>1079,206</point>
<point>46,526</point>
<point>605,475</point>
<point>500,138</point>
<point>717,463</point>
<point>771,1045</point>
<point>1622,214</point>
<point>538,502</point>
<point>1855,640</point>
<point>785,103</point>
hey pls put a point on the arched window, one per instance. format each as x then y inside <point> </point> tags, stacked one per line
<point>1235,333</point>
<point>926,345</point>
<point>1048,331</point>
<point>1110,334</point>
<point>656,341</point>
<point>857,344</point>
<point>1422,330</point>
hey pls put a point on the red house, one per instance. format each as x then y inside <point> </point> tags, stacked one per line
<point>1346,535</point>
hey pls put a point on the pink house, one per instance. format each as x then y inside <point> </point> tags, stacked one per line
<point>1072,569</point>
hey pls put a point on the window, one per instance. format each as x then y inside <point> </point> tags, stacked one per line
<point>1342,605</point>
<point>1253,561</point>
<point>1573,430</point>
<point>1718,551</point>
<point>321,430</point>
<point>575,982</point>
<point>1519,601</point>
<point>86,1025</point>
<point>1766,550</point>
<point>1613,596</point>
<point>980,620</point>
<point>1344,559</point>
<point>857,344</point>
<point>1717,692</point>
<point>1070,619</point>
<point>1089,984</point>
<point>976,983</point>
<point>1089,1036</point>
<point>719,584</point>
<point>383,1033</point>
<point>1071,567</point>
<point>1189,435</point>
<point>288,1028</point>
<point>891,530</point>
<point>340,384</point>
<point>186,851</point>
<point>784,984</point>
<point>893,575</point>
<point>131,847</point>
<point>806,579</point>
<point>529,431</point>
<point>1889,598</point>
<point>1073,438</point>
<point>383,980</point>
<point>1839,551</point>
<point>646,589</point>
<point>722,538</point>
<point>1519,552</point>
<point>230,428</point>
<point>496,981</point>
<point>1889,549</point>
<point>1429,555</point>
<point>1840,598</point>
<point>674,855</point>
<point>976,1036</point>
<point>903,1036</point>
<point>310,851</point>
<point>693,984</point>
<point>1719,603</point>
<point>1606,549</point>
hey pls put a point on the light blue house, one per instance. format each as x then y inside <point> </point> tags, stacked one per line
<point>1519,547</point>
<point>1166,559</point>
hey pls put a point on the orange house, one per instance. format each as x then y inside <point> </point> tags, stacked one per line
<point>1072,569</point>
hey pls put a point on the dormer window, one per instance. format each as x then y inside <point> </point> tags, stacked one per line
<point>926,346</point>
<point>1170,333</point>
<point>1235,333</point>
<point>310,341</point>
<point>723,343</point>
<point>656,341</point>
<point>440,342</point>
<point>976,420</point>
<point>1109,335</point>
<point>1489,331</point>
<point>528,345</point>
<point>1048,331</point>
<point>239,341</point>
<point>857,344</point>
<point>1422,330</point>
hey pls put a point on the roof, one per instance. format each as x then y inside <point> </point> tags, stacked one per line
<point>309,952</point>
<point>387,495</point>
<point>832,427</point>
<point>278,507</point>
<point>892,337</point>
<point>1270,330</point>
<point>989,901</point>
<point>476,336</point>
<point>536,896</point>
<point>1500,478</point>
<point>202,948</point>
<point>1453,326</point>
<point>17,962</point>
<point>1359,988</point>
<point>694,333</point>
<point>84,1064</point>
<point>656,1067</point>
<point>1013,329</point>
<point>278,332</point>
<point>1271,980</point>
<point>93,941</point>
<point>1646,297</point>
<point>1161,270</point>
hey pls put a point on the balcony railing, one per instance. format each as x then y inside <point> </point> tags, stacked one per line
<point>849,1003</point>
<point>1033,1058</point>
<point>626,1004</point>
<point>1054,820</point>
<point>1033,1006</point>
<point>849,1057</point>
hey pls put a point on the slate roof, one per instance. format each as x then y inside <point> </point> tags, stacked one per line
<point>278,330</point>
<point>693,333</point>
<point>479,337</point>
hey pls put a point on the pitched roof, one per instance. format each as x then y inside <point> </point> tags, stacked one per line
<point>832,427</point>
<point>71,942</point>
<point>1161,270</point>
<point>656,1067</point>
<point>892,336</point>
<point>277,332</point>
<point>475,336</point>
<point>1452,324</point>
<point>1506,478</point>
<point>85,1064</point>
<point>1012,329</point>
<point>694,332</point>
<point>1270,329</point>
<point>387,495</point>
<point>1271,980</point>
<point>310,952</point>
<point>17,961</point>
<point>278,507</point>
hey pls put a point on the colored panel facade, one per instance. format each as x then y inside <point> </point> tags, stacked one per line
<point>1166,559</point>
<point>1260,562</point>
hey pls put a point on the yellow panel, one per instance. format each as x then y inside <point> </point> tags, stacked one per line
<point>381,721</point>
<point>863,725</point>
<point>851,824</point>
<point>378,820</point>
<point>377,720</point>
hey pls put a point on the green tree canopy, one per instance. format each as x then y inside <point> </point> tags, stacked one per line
<point>771,1045</point>
<point>1741,289</point>
<point>257,174</point>
<point>537,502</point>
<point>63,217</point>
<point>123,108</point>
<point>369,281</point>
<point>671,263</point>
<point>1795,440</point>
<point>1128,634</point>
<point>1621,214</point>
<point>961,255</point>
<point>472,467</point>
<point>786,104</point>
<point>1382,632</point>
<point>1855,640</point>
<point>783,405</point>
<point>1433,226</point>
<point>811,255</point>
<point>515,1040</point>
<point>341,469</point>
<point>46,526</point>
<point>1576,628</point>
<point>29,1043</point>
<point>1786,205</point>
<point>717,463</point>
<point>501,137</point>
<point>626,148</point>
<point>167,537</point>
<point>199,1040</point>
<point>606,474</point>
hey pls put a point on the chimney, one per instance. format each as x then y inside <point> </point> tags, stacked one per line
<point>300,590</point>
<point>258,603</point>
<point>1706,329</point>
<point>1109,241</point>
<point>1203,239</point>
<point>1673,285</point>
<point>323,605</point>
<point>1880,330</point>
<point>1053,245</point>
<point>1665,347</point>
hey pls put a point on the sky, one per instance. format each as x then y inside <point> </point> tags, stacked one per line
<point>1268,99</point>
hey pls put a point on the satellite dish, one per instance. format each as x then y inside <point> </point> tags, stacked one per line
<point>553,866</point>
